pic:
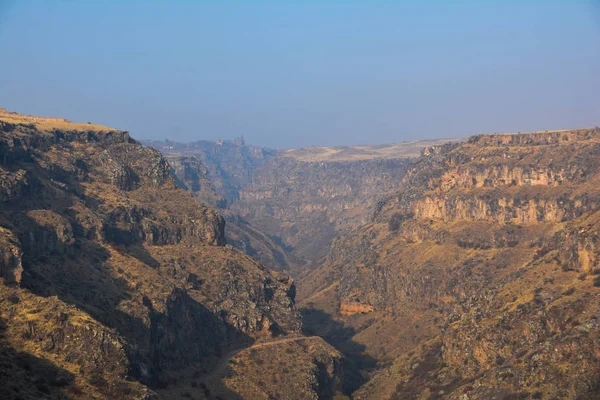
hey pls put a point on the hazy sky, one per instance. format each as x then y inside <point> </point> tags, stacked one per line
<point>297,73</point>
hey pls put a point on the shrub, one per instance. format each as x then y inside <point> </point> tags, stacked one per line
<point>395,222</point>
<point>566,267</point>
<point>521,353</point>
<point>569,291</point>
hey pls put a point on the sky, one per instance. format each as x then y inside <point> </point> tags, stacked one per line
<point>297,73</point>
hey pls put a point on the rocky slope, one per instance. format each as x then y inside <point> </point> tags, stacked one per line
<point>479,278</point>
<point>113,278</point>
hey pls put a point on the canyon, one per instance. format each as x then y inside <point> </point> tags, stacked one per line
<point>436,269</point>
<point>464,270</point>
<point>300,199</point>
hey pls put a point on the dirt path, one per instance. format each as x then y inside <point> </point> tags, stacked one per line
<point>212,378</point>
<point>225,359</point>
<point>285,340</point>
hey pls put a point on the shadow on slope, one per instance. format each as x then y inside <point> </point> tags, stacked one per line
<point>356,362</point>
<point>163,331</point>
<point>24,376</point>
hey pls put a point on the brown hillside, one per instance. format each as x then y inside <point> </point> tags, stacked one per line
<point>479,278</point>
<point>113,278</point>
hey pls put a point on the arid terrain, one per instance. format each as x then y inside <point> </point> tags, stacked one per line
<point>443,269</point>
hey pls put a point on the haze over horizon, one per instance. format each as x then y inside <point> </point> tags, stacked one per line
<point>304,73</point>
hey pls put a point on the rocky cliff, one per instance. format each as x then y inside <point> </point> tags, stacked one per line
<point>192,176</point>
<point>228,164</point>
<point>114,278</point>
<point>478,279</point>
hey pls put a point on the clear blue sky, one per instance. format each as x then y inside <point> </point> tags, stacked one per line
<point>297,73</point>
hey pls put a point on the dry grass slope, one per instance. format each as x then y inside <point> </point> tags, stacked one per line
<point>48,124</point>
<point>363,152</point>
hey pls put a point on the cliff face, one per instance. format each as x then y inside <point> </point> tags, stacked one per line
<point>191,175</point>
<point>112,276</point>
<point>306,204</point>
<point>228,164</point>
<point>478,278</point>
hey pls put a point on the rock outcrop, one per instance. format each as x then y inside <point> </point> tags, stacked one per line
<point>289,369</point>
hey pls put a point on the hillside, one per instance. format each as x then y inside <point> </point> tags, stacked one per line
<point>115,280</point>
<point>478,278</point>
<point>470,272</point>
